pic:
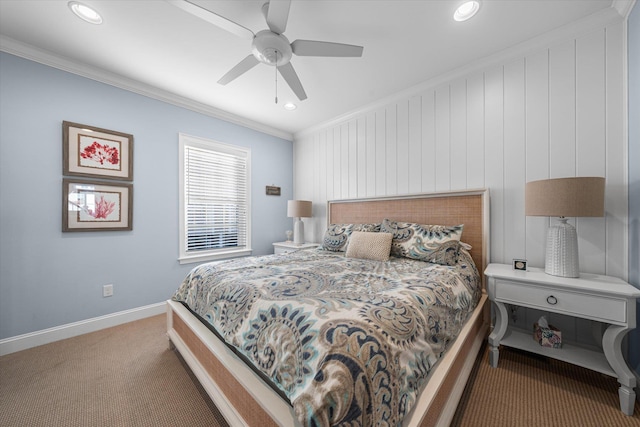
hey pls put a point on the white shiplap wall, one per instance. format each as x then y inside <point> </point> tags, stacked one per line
<point>556,110</point>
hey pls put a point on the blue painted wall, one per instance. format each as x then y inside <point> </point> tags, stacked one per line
<point>49,278</point>
<point>634,172</point>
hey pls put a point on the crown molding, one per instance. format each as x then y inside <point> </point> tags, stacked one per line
<point>553,37</point>
<point>623,7</point>
<point>44,57</point>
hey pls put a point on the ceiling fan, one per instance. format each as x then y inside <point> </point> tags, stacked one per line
<point>270,46</point>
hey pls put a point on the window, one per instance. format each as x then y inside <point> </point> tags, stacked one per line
<point>214,200</point>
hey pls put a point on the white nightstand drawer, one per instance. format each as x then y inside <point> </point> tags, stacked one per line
<point>560,301</point>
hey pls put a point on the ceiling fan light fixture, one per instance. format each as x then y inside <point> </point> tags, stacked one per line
<point>290,106</point>
<point>85,12</point>
<point>466,10</point>
<point>271,48</point>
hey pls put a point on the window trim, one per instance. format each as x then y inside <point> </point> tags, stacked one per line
<point>184,141</point>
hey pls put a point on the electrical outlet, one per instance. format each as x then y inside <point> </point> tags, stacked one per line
<point>107,290</point>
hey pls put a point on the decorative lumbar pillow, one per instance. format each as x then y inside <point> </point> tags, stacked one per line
<point>429,243</point>
<point>336,238</point>
<point>366,245</point>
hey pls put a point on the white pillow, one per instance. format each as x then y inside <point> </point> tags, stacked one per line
<point>374,246</point>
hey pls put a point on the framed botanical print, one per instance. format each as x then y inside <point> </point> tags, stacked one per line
<point>98,153</point>
<point>96,205</point>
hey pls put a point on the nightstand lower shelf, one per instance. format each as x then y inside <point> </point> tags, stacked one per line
<point>593,359</point>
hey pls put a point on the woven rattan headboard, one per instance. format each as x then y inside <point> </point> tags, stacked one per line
<point>469,207</point>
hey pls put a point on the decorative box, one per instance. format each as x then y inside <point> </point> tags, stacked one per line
<point>547,337</point>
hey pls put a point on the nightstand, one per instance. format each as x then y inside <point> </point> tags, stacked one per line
<point>599,298</point>
<point>284,247</point>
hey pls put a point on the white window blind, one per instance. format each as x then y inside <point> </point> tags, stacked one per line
<point>215,211</point>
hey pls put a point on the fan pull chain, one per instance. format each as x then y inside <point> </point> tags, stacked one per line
<point>276,68</point>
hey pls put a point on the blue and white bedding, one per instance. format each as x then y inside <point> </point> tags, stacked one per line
<point>350,342</point>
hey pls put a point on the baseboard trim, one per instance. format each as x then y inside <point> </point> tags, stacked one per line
<point>46,336</point>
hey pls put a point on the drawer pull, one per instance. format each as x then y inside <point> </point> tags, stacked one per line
<point>552,300</point>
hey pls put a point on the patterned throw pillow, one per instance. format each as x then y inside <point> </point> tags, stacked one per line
<point>446,253</point>
<point>336,238</point>
<point>374,246</point>
<point>431,243</point>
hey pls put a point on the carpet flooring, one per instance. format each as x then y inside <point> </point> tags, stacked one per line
<point>527,390</point>
<point>121,376</point>
<point>128,376</point>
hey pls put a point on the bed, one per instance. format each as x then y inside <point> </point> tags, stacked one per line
<point>282,395</point>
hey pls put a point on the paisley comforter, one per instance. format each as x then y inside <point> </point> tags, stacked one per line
<point>350,342</point>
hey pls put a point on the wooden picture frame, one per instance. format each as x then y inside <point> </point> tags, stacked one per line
<point>96,206</point>
<point>95,152</point>
<point>272,190</point>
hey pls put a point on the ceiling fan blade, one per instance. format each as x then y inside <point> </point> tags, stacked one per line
<point>277,15</point>
<point>214,18</point>
<point>318,48</point>
<point>243,66</point>
<point>292,80</point>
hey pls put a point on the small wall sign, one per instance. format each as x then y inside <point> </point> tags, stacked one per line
<point>273,191</point>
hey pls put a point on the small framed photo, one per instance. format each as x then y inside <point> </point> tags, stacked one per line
<point>272,190</point>
<point>97,153</point>
<point>96,205</point>
<point>520,264</point>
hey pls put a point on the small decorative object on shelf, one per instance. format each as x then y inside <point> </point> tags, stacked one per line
<point>289,234</point>
<point>547,335</point>
<point>520,264</point>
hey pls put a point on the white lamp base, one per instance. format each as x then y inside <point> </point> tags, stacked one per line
<point>298,231</point>
<point>562,250</point>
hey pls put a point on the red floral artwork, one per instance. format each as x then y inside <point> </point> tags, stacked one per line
<point>103,208</point>
<point>101,153</point>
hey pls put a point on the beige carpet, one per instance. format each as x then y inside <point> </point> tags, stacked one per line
<point>121,376</point>
<point>528,390</point>
<point>127,376</point>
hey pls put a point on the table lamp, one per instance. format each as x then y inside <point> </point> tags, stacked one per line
<point>299,209</point>
<point>564,197</point>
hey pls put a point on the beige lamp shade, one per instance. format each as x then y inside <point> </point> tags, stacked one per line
<point>299,209</point>
<point>565,197</point>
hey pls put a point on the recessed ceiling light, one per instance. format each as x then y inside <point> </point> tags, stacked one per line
<point>85,12</point>
<point>290,106</point>
<point>466,10</point>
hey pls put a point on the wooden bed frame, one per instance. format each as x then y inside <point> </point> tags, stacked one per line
<point>244,399</point>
